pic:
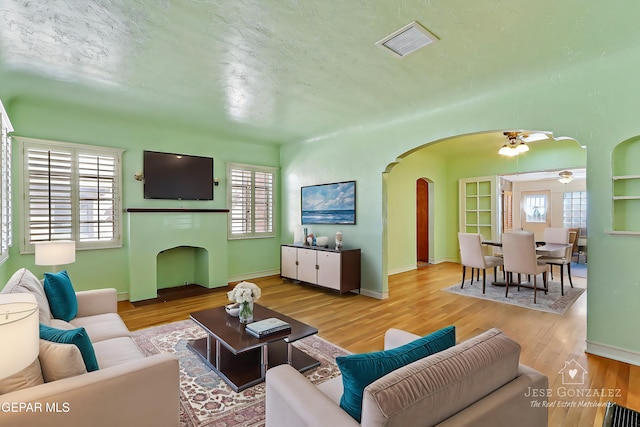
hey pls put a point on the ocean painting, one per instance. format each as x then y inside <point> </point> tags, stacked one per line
<point>329,203</point>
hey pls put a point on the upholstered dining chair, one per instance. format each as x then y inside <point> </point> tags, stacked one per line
<point>557,235</point>
<point>471,255</point>
<point>519,254</point>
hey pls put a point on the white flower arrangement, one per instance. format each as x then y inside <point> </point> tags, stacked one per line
<point>245,292</point>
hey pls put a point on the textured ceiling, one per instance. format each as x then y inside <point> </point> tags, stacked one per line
<point>279,71</point>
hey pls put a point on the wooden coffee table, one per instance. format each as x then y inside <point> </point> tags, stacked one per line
<point>239,358</point>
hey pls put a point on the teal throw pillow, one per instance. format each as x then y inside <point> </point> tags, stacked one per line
<point>360,370</point>
<point>61,295</point>
<point>78,337</point>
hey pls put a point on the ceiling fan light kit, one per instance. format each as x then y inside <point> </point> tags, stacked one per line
<point>566,177</point>
<point>514,145</point>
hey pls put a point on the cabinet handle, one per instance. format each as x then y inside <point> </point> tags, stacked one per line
<point>297,263</point>
<point>317,267</point>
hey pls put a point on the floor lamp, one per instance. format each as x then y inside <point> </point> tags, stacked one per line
<point>19,334</point>
<point>55,252</point>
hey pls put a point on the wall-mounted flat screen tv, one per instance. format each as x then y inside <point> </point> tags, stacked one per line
<point>177,176</point>
<point>329,203</point>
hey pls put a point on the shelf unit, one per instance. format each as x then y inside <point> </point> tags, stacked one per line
<point>478,206</point>
<point>626,188</point>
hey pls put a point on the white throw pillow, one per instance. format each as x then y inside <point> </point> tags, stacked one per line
<point>23,281</point>
<point>28,377</point>
<point>60,361</point>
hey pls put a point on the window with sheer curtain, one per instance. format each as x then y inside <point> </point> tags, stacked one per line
<point>535,208</point>
<point>71,192</point>
<point>250,194</point>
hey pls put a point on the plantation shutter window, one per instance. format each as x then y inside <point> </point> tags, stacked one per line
<point>49,195</point>
<point>263,202</point>
<point>5,184</point>
<point>71,192</point>
<point>97,197</point>
<point>250,200</point>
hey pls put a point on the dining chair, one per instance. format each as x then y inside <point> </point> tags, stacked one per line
<point>471,255</point>
<point>519,254</point>
<point>563,260</point>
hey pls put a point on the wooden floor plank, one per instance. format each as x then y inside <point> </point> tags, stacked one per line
<point>417,304</point>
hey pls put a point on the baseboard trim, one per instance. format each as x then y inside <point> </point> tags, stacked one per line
<point>373,294</point>
<point>123,296</point>
<point>254,275</point>
<point>441,260</point>
<point>612,352</point>
<point>403,269</point>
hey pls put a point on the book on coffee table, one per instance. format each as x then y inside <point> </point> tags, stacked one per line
<point>265,327</point>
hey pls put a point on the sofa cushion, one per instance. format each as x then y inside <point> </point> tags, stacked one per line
<point>116,351</point>
<point>77,337</point>
<point>28,377</point>
<point>61,324</point>
<point>61,295</point>
<point>443,384</point>
<point>60,361</point>
<point>102,326</point>
<point>360,370</point>
<point>23,281</point>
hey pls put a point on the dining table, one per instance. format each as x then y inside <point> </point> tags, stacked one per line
<point>542,249</point>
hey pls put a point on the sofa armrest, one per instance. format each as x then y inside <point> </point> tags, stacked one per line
<point>140,392</point>
<point>98,301</point>
<point>395,338</point>
<point>292,401</point>
<point>512,404</point>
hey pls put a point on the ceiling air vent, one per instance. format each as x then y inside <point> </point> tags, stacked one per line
<point>407,39</point>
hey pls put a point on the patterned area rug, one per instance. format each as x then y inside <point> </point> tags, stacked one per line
<point>552,302</point>
<point>206,400</point>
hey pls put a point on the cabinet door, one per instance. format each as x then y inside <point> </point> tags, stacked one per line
<point>288,262</point>
<point>307,266</point>
<point>329,269</point>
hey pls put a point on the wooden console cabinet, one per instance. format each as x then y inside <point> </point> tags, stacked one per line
<point>329,268</point>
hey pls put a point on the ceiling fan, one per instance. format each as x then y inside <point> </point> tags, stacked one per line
<point>565,177</point>
<point>516,142</point>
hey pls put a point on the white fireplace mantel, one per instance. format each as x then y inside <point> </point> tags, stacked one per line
<point>152,231</point>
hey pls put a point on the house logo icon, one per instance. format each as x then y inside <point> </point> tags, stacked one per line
<point>573,373</point>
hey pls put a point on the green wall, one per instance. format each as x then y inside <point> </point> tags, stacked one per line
<point>39,118</point>
<point>594,102</point>
<point>444,166</point>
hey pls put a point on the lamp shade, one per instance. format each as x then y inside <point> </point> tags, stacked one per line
<point>19,334</point>
<point>55,252</point>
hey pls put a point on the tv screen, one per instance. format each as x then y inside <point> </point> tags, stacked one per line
<point>177,176</point>
<point>329,203</point>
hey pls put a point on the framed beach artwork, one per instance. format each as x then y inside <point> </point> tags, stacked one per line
<point>329,203</point>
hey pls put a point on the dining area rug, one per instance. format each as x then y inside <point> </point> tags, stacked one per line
<point>552,302</point>
<point>205,399</point>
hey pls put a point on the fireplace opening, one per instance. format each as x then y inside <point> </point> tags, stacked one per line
<point>182,265</point>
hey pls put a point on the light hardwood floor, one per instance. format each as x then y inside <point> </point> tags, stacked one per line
<point>417,304</point>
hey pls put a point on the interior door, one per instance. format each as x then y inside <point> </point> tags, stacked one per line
<point>422,220</point>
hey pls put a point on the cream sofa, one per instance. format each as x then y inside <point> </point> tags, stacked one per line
<point>129,389</point>
<point>478,382</point>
